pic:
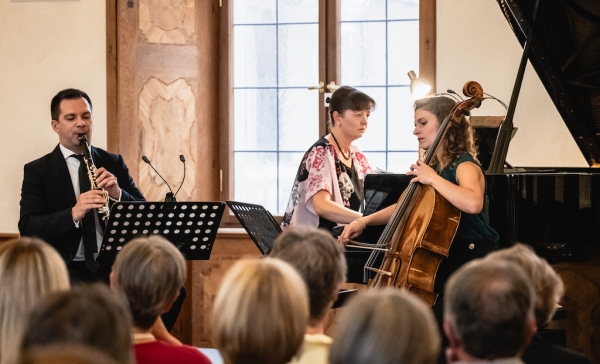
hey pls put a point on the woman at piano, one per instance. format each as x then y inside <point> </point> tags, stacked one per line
<point>328,189</point>
<point>456,175</point>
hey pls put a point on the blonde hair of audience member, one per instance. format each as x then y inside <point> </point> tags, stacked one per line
<point>548,285</point>
<point>29,269</point>
<point>488,311</point>
<point>66,354</point>
<point>260,312</point>
<point>89,315</point>
<point>386,326</point>
<point>320,260</point>
<point>149,272</point>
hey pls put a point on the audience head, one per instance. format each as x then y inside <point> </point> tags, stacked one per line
<point>385,326</point>
<point>66,94</point>
<point>66,354</point>
<point>260,312</point>
<point>319,259</point>
<point>149,272</point>
<point>488,310</point>
<point>29,270</point>
<point>87,315</point>
<point>547,284</point>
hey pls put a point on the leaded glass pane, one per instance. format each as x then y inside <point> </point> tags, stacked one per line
<point>256,178</point>
<point>298,119</point>
<point>254,12</point>
<point>288,167</point>
<point>363,10</point>
<point>401,121</point>
<point>255,115</point>
<point>298,11</point>
<point>298,50</point>
<point>399,162</point>
<point>363,54</point>
<point>403,51</point>
<point>255,56</point>
<point>403,9</point>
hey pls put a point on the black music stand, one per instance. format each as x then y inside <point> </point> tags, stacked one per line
<point>263,230</point>
<point>190,226</point>
<point>258,222</point>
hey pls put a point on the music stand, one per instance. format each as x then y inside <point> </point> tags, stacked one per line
<point>258,223</point>
<point>190,226</point>
<point>263,230</point>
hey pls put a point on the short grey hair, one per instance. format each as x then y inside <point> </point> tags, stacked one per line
<point>489,306</point>
<point>548,285</point>
<point>319,259</point>
<point>149,272</point>
<point>386,326</point>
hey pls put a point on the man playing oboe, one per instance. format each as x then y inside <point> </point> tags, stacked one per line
<point>58,203</point>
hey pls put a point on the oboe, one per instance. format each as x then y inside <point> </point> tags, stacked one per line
<point>91,170</point>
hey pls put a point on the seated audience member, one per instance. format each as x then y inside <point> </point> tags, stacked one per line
<point>149,273</point>
<point>385,326</point>
<point>488,313</point>
<point>549,289</point>
<point>260,312</point>
<point>88,315</point>
<point>29,270</point>
<point>66,354</point>
<point>320,260</point>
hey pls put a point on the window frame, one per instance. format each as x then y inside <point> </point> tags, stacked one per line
<point>329,70</point>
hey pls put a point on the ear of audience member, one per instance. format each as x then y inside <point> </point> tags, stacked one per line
<point>29,270</point>
<point>66,354</point>
<point>488,311</point>
<point>320,260</point>
<point>149,273</point>
<point>260,312</point>
<point>87,315</point>
<point>385,326</point>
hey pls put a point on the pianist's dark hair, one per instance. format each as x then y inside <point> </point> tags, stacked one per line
<point>459,138</point>
<point>349,98</point>
<point>67,94</point>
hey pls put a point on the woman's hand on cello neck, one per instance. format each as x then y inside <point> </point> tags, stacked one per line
<point>422,173</point>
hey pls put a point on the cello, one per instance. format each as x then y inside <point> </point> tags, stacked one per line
<point>420,232</point>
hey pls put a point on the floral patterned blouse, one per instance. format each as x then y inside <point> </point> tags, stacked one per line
<point>321,169</point>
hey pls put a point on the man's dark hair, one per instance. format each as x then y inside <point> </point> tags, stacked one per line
<point>489,305</point>
<point>87,315</point>
<point>319,259</point>
<point>67,94</point>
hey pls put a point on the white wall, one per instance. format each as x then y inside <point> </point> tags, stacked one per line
<point>45,46</point>
<point>475,42</point>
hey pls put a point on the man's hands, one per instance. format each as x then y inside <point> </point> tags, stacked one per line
<point>95,199</point>
<point>108,181</point>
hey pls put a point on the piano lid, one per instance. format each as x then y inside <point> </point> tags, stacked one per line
<point>565,53</point>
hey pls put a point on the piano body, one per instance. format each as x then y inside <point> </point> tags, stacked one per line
<point>557,210</point>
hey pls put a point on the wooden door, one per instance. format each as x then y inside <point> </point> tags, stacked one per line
<point>163,101</point>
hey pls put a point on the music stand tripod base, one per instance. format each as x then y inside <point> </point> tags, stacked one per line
<point>190,226</point>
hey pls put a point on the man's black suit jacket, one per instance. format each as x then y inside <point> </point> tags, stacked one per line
<point>47,198</point>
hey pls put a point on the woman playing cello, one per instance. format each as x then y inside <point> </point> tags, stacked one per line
<point>456,175</point>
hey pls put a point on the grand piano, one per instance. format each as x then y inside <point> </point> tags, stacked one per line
<point>556,210</point>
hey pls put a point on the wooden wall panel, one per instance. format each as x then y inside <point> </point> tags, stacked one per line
<point>582,302</point>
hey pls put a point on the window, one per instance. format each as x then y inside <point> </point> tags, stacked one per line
<point>277,51</point>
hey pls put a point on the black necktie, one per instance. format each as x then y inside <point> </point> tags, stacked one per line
<point>88,222</point>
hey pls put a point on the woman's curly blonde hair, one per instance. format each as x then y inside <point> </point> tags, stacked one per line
<point>459,138</point>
